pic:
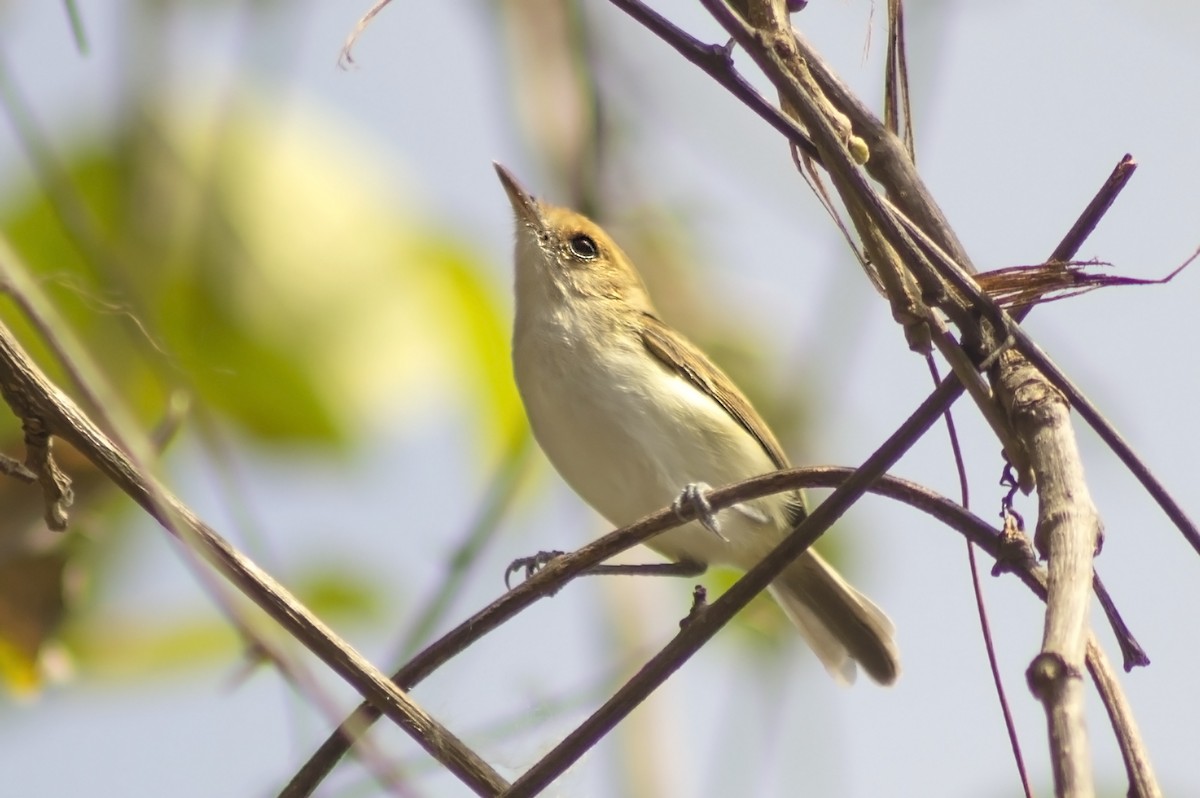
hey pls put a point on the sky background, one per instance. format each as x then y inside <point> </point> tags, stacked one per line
<point>1022,109</point>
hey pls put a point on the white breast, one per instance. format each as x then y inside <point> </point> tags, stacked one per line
<point>627,434</point>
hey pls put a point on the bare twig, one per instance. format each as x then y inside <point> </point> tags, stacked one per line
<point>1095,210</point>
<point>1142,782</point>
<point>1068,535</point>
<point>985,628</point>
<point>37,402</point>
<point>716,62</point>
<point>346,57</point>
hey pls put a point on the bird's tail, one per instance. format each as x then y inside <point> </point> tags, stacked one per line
<point>842,626</point>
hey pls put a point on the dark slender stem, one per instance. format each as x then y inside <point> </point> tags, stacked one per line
<point>1133,656</point>
<point>716,62</point>
<point>1094,212</point>
<point>1088,411</point>
<point>985,628</point>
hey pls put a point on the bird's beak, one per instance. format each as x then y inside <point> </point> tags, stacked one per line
<point>524,205</point>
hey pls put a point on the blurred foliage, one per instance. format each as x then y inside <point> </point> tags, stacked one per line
<point>252,260</point>
<point>124,647</point>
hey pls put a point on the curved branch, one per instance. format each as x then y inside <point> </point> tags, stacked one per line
<point>561,570</point>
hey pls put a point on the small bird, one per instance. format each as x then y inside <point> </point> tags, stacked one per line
<point>635,417</point>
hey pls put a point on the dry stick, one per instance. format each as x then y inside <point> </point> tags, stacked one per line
<point>1068,535</point>
<point>1068,527</point>
<point>1068,530</point>
<point>1087,410</point>
<point>717,62</point>
<point>38,403</point>
<point>1142,783</point>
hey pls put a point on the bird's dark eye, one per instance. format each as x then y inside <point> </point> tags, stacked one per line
<point>583,246</point>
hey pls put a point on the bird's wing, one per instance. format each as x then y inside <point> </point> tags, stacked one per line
<point>685,359</point>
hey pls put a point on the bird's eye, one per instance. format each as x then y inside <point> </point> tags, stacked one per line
<point>583,246</point>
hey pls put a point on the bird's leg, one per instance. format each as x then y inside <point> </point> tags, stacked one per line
<point>684,568</point>
<point>531,565</point>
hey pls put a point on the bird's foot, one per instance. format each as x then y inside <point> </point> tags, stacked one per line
<point>530,565</point>
<point>695,497</point>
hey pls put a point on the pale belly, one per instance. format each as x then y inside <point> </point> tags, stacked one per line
<point>627,435</point>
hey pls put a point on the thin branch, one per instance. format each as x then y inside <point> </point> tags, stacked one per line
<point>1043,448</point>
<point>1094,212</point>
<point>716,61</point>
<point>35,400</point>
<point>346,57</point>
<point>1056,378</point>
<point>1142,783</point>
<point>1068,536</point>
<point>985,628</point>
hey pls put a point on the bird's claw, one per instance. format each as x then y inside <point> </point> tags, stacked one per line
<point>530,565</point>
<point>695,497</point>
